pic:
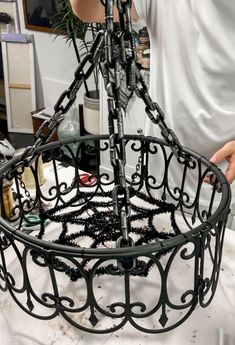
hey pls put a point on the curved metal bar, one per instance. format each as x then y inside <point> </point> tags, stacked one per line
<point>155,250</point>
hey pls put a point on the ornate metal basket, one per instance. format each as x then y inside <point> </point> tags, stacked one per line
<point>82,267</point>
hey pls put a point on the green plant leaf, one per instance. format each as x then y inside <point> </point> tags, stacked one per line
<point>67,25</point>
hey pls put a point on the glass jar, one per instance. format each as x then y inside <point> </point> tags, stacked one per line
<point>70,129</point>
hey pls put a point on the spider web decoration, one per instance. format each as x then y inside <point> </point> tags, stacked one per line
<point>97,221</point>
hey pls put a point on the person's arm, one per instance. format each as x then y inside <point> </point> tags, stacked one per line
<point>93,11</point>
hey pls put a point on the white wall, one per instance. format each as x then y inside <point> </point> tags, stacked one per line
<point>55,63</point>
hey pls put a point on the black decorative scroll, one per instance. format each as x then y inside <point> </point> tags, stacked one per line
<point>95,283</point>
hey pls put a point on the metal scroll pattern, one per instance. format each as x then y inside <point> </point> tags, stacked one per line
<point>81,302</point>
<point>154,179</point>
<point>103,304</point>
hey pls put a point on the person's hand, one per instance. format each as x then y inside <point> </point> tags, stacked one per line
<point>226,152</point>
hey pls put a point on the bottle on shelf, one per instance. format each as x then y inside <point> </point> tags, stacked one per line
<point>143,48</point>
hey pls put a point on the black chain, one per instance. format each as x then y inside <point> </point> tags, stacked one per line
<point>159,118</point>
<point>66,99</point>
<point>119,50</point>
<point>115,57</point>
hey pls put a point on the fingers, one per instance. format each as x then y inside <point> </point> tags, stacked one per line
<point>207,179</point>
<point>210,179</point>
<point>226,152</point>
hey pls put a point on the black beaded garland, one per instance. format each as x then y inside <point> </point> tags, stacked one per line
<point>103,226</point>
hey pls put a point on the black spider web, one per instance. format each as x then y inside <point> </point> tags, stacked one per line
<point>97,221</point>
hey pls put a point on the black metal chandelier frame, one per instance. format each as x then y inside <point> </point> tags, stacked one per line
<point>118,215</point>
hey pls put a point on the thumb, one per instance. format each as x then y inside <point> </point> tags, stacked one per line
<point>226,152</point>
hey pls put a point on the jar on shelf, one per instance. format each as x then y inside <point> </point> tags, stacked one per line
<point>143,44</point>
<point>7,199</point>
<point>144,37</point>
<point>27,176</point>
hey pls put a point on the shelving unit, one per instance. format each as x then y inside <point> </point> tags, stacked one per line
<point>18,86</point>
<point>9,7</point>
<point>19,80</point>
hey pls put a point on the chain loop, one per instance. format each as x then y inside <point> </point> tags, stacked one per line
<point>159,118</point>
<point>118,51</point>
<point>67,98</point>
<point>114,58</point>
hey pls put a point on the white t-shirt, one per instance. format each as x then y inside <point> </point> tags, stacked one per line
<point>192,70</point>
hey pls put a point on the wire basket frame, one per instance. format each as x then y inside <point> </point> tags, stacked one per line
<point>79,267</point>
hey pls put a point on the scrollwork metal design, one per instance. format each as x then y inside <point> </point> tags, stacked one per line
<point>73,277</point>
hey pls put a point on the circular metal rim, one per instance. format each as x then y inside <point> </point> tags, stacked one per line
<point>58,249</point>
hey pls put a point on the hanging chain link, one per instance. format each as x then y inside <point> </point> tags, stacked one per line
<point>66,99</point>
<point>159,117</point>
<point>125,55</point>
<point>111,50</point>
<point>115,54</point>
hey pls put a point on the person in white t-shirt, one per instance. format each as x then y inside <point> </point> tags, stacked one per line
<point>192,70</point>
